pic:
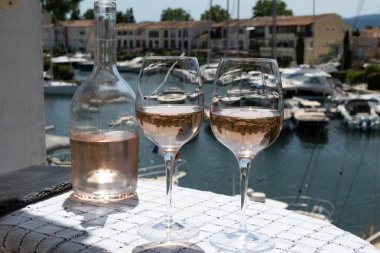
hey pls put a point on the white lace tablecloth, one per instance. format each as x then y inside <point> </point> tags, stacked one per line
<point>62,225</point>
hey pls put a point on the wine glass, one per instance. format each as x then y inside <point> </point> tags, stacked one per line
<point>169,110</point>
<point>246,116</point>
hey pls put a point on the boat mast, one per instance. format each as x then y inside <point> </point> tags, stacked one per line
<point>209,34</point>
<point>274,29</point>
<point>227,33</point>
<point>238,28</point>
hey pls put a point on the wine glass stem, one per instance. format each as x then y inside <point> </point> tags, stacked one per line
<point>169,168</point>
<point>244,165</point>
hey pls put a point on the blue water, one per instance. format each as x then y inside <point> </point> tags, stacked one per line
<point>342,166</point>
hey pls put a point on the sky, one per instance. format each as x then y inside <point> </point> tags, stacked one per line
<point>150,10</point>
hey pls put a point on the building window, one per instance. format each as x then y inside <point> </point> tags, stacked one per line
<point>137,43</point>
<point>130,43</point>
<point>172,44</point>
<point>125,33</point>
<point>172,33</point>
<point>185,33</point>
<point>119,33</point>
<point>166,33</point>
<point>153,34</point>
<point>166,44</point>
<point>150,44</point>
<point>125,44</point>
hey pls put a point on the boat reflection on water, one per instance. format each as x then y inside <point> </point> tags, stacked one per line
<point>318,136</point>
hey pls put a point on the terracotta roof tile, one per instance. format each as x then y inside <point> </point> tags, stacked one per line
<point>268,20</point>
<point>77,23</point>
<point>160,25</point>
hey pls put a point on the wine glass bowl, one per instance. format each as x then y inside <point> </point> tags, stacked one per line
<point>246,116</point>
<point>169,110</point>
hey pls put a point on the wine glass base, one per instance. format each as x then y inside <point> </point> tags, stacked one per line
<point>236,241</point>
<point>161,232</point>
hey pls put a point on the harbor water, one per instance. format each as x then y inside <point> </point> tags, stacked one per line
<point>339,165</point>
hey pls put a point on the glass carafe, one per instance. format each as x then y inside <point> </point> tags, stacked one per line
<point>104,139</point>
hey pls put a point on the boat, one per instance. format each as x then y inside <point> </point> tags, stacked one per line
<point>172,98</point>
<point>52,87</point>
<point>85,65</point>
<point>57,150</point>
<point>309,119</point>
<point>208,72</point>
<point>74,60</point>
<point>133,65</point>
<point>307,114</point>
<point>359,114</point>
<point>172,95</point>
<point>306,81</point>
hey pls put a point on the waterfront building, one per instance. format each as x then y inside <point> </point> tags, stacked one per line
<point>323,36</point>
<point>177,36</point>
<point>321,33</point>
<point>367,45</point>
<point>75,35</point>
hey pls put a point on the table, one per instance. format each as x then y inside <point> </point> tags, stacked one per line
<point>60,224</point>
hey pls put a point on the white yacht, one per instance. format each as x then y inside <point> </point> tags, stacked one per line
<point>133,65</point>
<point>208,72</point>
<point>360,114</point>
<point>306,81</point>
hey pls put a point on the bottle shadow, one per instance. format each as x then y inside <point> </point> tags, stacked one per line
<point>95,213</point>
<point>155,247</point>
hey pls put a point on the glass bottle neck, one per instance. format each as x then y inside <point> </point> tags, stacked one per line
<point>104,33</point>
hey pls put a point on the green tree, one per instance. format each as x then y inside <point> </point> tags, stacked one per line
<point>75,15</point>
<point>300,50</point>
<point>119,17</point>
<point>129,17</point>
<point>126,17</point>
<point>218,14</point>
<point>346,55</point>
<point>264,8</point>
<point>60,8</point>
<point>89,14</point>
<point>175,15</point>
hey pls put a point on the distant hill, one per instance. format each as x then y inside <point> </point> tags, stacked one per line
<point>372,20</point>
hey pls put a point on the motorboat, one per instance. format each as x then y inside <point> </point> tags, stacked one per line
<point>52,87</point>
<point>172,95</point>
<point>208,72</point>
<point>301,81</point>
<point>359,114</point>
<point>308,84</point>
<point>307,114</point>
<point>85,65</point>
<point>75,60</point>
<point>133,65</point>
<point>57,150</point>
